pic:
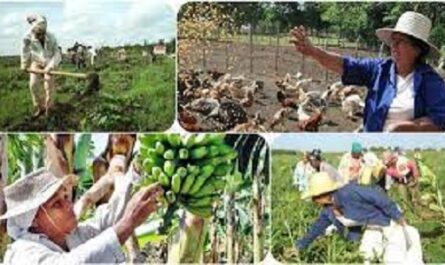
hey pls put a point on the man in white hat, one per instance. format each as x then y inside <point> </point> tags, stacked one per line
<point>404,93</point>
<point>354,206</point>
<point>40,51</point>
<point>41,220</point>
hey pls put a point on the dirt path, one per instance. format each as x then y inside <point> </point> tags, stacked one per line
<point>235,59</point>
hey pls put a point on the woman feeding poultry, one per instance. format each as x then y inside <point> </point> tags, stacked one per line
<point>404,92</point>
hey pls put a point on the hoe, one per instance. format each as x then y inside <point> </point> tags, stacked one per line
<point>92,78</point>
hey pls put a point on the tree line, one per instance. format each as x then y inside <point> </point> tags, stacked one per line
<point>348,20</point>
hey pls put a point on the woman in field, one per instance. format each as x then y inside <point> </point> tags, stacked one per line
<point>404,93</point>
<point>353,208</point>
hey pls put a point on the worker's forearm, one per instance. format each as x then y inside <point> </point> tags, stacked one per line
<point>124,228</point>
<point>327,59</point>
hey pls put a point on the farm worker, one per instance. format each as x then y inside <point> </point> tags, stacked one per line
<point>122,55</point>
<point>93,54</point>
<point>40,51</point>
<point>301,172</point>
<point>404,174</point>
<point>353,207</point>
<point>373,171</point>
<point>314,163</point>
<point>45,230</point>
<point>404,93</point>
<point>351,163</point>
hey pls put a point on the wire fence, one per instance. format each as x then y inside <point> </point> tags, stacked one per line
<point>268,51</point>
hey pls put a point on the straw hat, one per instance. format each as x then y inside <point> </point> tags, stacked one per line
<point>320,183</point>
<point>32,191</point>
<point>413,24</point>
<point>388,157</point>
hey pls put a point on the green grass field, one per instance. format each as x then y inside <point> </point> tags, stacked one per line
<point>292,216</point>
<point>133,96</point>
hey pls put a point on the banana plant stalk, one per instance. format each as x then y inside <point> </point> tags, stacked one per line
<point>187,243</point>
<point>258,164</point>
<point>230,230</point>
<point>59,155</point>
<point>214,240</point>
<point>257,217</point>
<point>4,239</point>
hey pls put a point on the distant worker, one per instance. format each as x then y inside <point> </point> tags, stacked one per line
<point>40,51</point>
<point>314,163</point>
<point>351,163</point>
<point>122,55</point>
<point>403,172</point>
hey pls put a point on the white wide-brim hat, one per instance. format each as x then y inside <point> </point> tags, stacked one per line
<point>31,191</point>
<point>413,24</point>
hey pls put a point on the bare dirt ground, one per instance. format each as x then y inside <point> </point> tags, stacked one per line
<point>234,58</point>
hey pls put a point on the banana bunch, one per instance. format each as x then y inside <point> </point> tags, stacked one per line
<point>192,169</point>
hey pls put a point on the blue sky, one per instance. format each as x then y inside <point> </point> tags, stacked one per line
<point>342,142</point>
<point>98,22</point>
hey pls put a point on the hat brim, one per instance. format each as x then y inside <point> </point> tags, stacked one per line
<point>308,194</point>
<point>384,34</point>
<point>47,194</point>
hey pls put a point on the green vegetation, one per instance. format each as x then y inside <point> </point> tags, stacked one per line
<point>133,96</point>
<point>293,216</point>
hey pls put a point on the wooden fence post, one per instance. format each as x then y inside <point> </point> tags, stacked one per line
<point>204,63</point>
<point>251,47</point>
<point>326,72</point>
<point>277,47</point>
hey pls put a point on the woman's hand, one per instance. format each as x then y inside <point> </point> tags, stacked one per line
<point>328,60</point>
<point>140,206</point>
<point>423,124</point>
<point>301,41</point>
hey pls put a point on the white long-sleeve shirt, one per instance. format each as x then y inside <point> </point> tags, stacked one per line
<point>93,241</point>
<point>47,55</point>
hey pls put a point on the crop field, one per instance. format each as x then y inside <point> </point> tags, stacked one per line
<point>291,216</point>
<point>129,99</point>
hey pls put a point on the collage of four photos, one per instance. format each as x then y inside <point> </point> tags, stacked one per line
<point>222,132</point>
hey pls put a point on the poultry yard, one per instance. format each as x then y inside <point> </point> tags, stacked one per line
<point>235,58</point>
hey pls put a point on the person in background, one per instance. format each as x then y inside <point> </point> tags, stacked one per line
<point>354,207</point>
<point>373,171</point>
<point>404,92</point>
<point>351,163</point>
<point>403,173</point>
<point>40,51</point>
<point>314,163</point>
<point>301,173</point>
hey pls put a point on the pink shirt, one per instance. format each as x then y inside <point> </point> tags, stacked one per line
<point>393,171</point>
